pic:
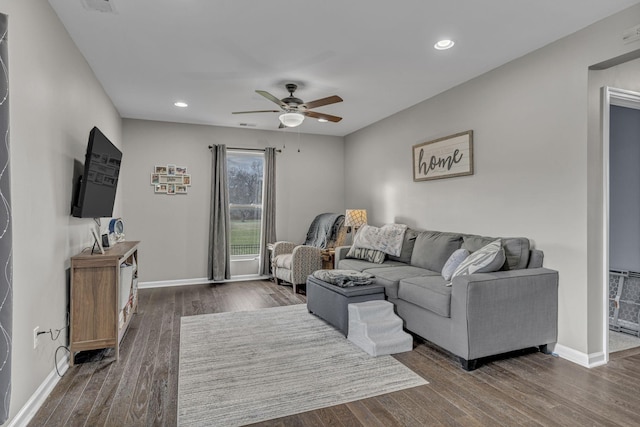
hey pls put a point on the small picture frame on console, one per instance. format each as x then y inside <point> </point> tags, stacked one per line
<point>96,242</point>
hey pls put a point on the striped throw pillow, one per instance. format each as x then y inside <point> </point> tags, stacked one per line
<point>485,260</point>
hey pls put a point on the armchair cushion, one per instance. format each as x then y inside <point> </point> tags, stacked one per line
<point>284,261</point>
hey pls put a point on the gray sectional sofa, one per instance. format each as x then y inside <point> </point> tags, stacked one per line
<point>477,315</point>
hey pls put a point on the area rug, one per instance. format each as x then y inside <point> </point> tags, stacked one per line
<point>244,367</point>
<point>619,341</point>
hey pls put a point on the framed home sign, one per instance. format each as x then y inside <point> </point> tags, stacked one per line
<point>444,157</point>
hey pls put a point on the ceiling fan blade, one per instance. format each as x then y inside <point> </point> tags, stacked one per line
<point>271,98</point>
<point>323,101</point>
<point>317,115</point>
<point>257,111</point>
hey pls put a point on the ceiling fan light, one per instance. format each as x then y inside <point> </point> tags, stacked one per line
<point>291,120</point>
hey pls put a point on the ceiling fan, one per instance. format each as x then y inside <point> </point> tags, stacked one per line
<point>295,109</point>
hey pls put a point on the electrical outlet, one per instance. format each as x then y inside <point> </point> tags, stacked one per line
<point>35,337</point>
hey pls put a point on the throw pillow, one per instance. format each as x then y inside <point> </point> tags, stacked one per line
<point>407,247</point>
<point>485,260</point>
<point>453,262</point>
<point>387,238</point>
<point>370,255</point>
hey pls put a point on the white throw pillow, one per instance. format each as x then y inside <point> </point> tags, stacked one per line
<point>453,262</point>
<point>485,260</point>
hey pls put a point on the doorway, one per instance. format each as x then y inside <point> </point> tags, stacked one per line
<point>621,152</point>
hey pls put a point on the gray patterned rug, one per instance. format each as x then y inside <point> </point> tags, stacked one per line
<point>243,367</point>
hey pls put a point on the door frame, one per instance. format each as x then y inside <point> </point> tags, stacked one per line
<point>622,98</point>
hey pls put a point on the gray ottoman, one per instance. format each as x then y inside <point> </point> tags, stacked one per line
<point>331,303</point>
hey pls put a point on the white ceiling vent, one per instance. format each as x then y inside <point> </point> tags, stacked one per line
<point>99,5</point>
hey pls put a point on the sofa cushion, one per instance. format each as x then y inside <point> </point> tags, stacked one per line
<point>487,259</point>
<point>361,265</point>
<point>407,247</point>
<point>432,249</point>
<point>428,292</point>
<point>370,255</point>
<point>516,249</point>
<point>456,258</point>
<point>284,261</point>
<point>390,276</point>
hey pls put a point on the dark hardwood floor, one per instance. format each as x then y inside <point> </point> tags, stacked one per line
<point>532,389</point>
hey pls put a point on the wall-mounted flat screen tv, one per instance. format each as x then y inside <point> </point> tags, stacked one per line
<point>97,190</point>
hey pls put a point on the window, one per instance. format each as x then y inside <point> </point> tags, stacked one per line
<point>245,175</point>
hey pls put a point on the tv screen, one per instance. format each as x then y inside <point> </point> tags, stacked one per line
<point>97,190</point>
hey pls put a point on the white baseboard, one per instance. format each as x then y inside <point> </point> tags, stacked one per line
<point>197,281</point>
<point>28,411</point>
<point>583,359</point>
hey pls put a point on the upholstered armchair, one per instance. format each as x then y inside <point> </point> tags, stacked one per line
<point>293,262</point>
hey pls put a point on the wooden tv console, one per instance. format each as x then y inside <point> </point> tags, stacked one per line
<point>99,315</point>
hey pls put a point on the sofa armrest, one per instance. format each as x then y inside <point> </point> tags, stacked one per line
<point>283,247</point>
<point>341,253</point>
<point>505,311</point>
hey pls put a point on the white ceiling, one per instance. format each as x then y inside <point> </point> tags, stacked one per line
<point>377,55</point>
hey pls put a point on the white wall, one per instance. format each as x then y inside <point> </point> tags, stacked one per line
<point>529,119</point>
<point>174,229</point>
<point>55,100</point>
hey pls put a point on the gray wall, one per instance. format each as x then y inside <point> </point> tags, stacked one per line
<point>55,101</point>
<point>531,162</point>
<point>624,195</point>
<point>173,229</point>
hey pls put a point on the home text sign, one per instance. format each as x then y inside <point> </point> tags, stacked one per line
<point>444,157</point>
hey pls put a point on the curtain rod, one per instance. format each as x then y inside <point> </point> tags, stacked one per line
<point>246,149</point>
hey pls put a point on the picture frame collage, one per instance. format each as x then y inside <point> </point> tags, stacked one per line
<point>170,179</point>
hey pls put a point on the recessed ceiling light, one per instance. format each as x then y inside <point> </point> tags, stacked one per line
<point>180,104</point>
<point>444,44</point>
<point>323,120</point>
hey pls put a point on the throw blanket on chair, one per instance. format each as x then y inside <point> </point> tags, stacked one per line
<point>387,238</point>
<point>324,229</point>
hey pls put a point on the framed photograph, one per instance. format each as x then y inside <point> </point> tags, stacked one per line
<point>155,179</point>
<point>162,170</point>
<point>444,157</point>
<point>171,170</point>
<point>109,181</point>
<point>181,189</point>
<point>186,179</point>
<point>171,189</point>
<point>113,162</point>
<point>97,241</point>
<point>174,179</point>
<point>181,170</point>
<point>160,188</point>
